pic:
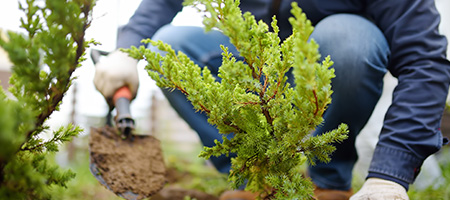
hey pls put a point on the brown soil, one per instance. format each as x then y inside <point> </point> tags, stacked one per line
<point>126,165</point>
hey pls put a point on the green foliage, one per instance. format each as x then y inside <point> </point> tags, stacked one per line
<point>271,119</point>
<point>44,60</point>
<point>439,189</point>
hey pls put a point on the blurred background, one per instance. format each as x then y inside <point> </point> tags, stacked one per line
<point>84,106</point>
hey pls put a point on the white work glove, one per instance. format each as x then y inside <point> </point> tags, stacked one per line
<point>115,71</point>
<point>380,189</point>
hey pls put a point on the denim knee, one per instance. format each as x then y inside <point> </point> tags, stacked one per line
<point>201,47</point>
<point>176,36</point>
<point>356,45</point>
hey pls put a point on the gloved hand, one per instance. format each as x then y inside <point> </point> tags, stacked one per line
<point>115,71</point>
<point>380,189</point>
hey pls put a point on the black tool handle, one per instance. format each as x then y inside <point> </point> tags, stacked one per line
<point>123,119</point>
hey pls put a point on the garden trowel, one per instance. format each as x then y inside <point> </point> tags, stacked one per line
<point>130,165</point>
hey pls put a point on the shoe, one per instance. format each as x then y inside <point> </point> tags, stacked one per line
<point>238,195</point>
<point>328,194</point>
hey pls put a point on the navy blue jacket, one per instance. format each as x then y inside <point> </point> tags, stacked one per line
<point>411,130</point>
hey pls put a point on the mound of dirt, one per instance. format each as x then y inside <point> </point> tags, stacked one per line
<point>133,169</point>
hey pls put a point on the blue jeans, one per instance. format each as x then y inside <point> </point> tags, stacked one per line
<point>360,53</point>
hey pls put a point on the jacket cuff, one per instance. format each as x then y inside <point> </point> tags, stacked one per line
<point>389,178</point>
<point>394,165</point>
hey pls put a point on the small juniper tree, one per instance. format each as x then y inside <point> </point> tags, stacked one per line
<point>43,61</point>
<point>271,119</point>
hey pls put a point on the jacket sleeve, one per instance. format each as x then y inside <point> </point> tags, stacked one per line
<point>148,18</point>
<point>411,130</point>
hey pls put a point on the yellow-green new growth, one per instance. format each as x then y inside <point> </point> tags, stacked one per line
<point>271,119</point>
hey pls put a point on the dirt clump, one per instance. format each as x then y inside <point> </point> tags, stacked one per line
<point>127,166</point>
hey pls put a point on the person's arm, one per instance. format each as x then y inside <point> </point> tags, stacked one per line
<point>147,19</point>
<point>411,130</point>
<point>118,69</point>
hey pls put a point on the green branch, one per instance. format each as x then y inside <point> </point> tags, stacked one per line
<point>44,60</point>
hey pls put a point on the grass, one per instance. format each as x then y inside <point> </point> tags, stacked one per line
<point>84,185</point>
<point>195,173</point>
<point>442,192</point>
